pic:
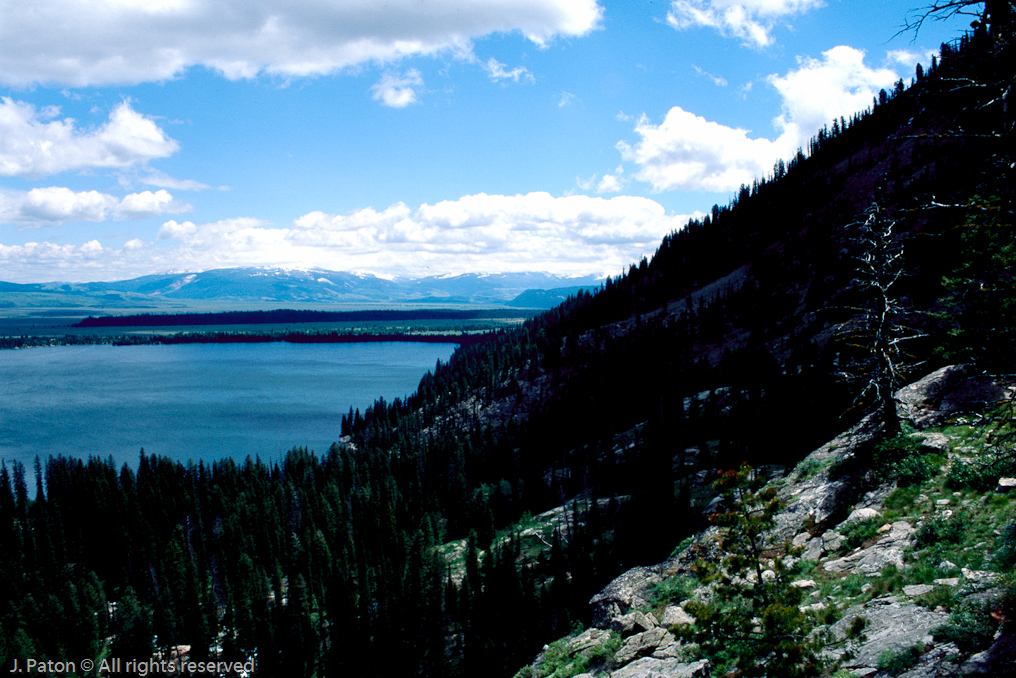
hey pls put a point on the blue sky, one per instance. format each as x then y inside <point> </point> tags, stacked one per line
<point>412,137</point>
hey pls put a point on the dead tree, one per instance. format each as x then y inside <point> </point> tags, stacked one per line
<point>877,331</point>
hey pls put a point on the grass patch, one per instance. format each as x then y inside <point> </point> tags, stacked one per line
<point>672,590</point>
<point>855,534</point>
<point>896,662</point>
<point>937,531</point>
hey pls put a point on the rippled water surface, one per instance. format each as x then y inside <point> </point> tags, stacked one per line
<point>195,401</point>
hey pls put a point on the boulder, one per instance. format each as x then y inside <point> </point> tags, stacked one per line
<point>587,640</point>
<point>886,551</point>
<point>918,589</point>
<point>649,667</point>
<point>1006,485</point>
<point>813,551</point>
<point>948,390</point>
<point>891,625</point>
<point>632,623</point>
<point>643,644</point>
<point>935,443</point>
<point>627,591</point>
<point>674,615</point>
<point>861,514</point>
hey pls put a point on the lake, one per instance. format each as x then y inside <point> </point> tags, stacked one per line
<point>196,401</point>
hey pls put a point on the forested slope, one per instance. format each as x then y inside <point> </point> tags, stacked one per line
<point>745,338</point>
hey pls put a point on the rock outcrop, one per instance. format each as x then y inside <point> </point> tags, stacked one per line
<point>818,512</point>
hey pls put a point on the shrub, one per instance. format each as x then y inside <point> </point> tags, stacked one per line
<point>896,662</point>
<point>965,475</point>
<point>859,531</point>
<point>672,590</point>
<point>971,628</point>
<point>857,627</point>
<point>912,470</point>
<point>939,531</point>
<point>1005,556</point>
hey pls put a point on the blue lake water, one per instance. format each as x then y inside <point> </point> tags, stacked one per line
<point>196,401</point>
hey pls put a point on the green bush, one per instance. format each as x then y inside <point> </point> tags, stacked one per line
<point>965,475</point>
<point>672,590</point>
<point>971,628</point>
<point>1005,556</point>
<point>895,663</point>
<point>939,531</point>
<point>913,470</point>
<point>857,626</point>
<point>859,531</point>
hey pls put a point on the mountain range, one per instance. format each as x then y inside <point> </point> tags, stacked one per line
<point>282,285</point>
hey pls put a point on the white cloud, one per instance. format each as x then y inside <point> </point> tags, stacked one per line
<point>565,99</point>
<point>163,180</point>
<point>750,20</point>
<point>36,142</point>
<point>46,261</point>
<point>536,231</point>
<point>126,42</point>
<point>837,85</point>
<point>54,205</point>
<point>609,184</point>
<point>718,80</point>
<point>688,152</point>
<point>397,91</point>
<point>497,72</point>
<point>148,204</point>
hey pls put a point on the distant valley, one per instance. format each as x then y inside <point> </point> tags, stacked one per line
<point>292,286</point>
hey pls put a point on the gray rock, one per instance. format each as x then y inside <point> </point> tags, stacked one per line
<point>1006,485</point>
<point>800,540</point>
<point>814,549</point>
<point>891,625</point>
<point>803,584</point>
<point>935,443</point>
<point>930,400</point>
<point>948,581</point>
<point>628,591</point>
<point>650,667</point>
<point>632,623</point>
<point>674,615</point>
<point>587,640</point>
<point>861,514</point>
<point>832,541</point>
<point>979,576</point>
<point>643,644</point>
<point>918,589</point>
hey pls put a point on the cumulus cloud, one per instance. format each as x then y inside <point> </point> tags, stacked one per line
<point>116,42</point>
<point>36,142</point>
<point>54,205</point>
<point>397,91</point>
<point>752,21</point>
<point>497,72</point>
<point>610,183</point>
<point>46,261</point>
<point>535,231</point>
<point>688,152</point>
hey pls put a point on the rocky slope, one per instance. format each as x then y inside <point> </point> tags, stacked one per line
<point>904,573</point>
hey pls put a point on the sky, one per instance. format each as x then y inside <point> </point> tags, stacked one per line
<point>409,137</point>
